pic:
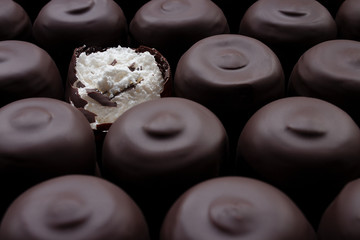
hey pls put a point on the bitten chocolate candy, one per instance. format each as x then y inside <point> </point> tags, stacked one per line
<point>42,138</point>
<point>307,147</point>
<point>27,71</point>
<point>235,208</point>
<point>14,22</point>
<point>158,149</point>
<point>288,27</point>
<point>173,26</point>
<point>75,207</point>
<point>340,220</point>
<point>330,71</point>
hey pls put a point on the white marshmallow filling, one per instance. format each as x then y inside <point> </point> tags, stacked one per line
<point>115,80</point>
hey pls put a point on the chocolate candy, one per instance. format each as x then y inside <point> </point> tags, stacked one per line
<point>42,138</point>
<point>158,149</point>
<point>173,26</point>
<point>14,22</point>
<point>340,220</point>
<point>235,208</point>
<point>63,25</point>
<point>119,79</point>
<point>305,146</point>
<point>330,71</point>
<point>348,20</point>
<point>74,207</point>
<point>232,75</point>
<point>288,27</point>
<point>27,71</point>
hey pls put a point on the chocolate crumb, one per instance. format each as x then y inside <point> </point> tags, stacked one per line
<point>132,67</point>
<point>113,62</point>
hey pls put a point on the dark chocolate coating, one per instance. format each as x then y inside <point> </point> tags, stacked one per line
<point>235,208</point>
<point>74,23</point>
<point>14,22</point>
<point>341,218</point>
<point>148,135</point>
<point>158,149</point>
<point>289,27</point>
<point>348,20</point>
<point>75,207</point>
<point>63,25</point>
<point>232,75</point>
<point>229,71</point>
<point>330,71</point>
<point>172,26</point>
<point>307,147</point>
<point>42,138</point>
<point>27,71</point>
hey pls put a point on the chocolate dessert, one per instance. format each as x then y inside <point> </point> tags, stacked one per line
<point>158,149</point>
<point>330,71</point>
<point>340,220</point>
<point>105,82</point>
<point>332,5</point>
<point>63,25</point>
<point>27,71</point>
<point>235,208</point>
<point>232,75</point>
<point>307,147</point>
<point>288,27</point>
<point>14,22</point>
<point>172,26</point>
<point>348,20</point>
<point>75,207</point>
<point>42,138</point>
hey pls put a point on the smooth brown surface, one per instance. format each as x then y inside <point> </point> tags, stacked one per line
<point>348,20</point>
<point>340,220</point>
<point>42,138</point>
<point>330,71</point>
<point>75,207</point>
<point>14,22</point>
<point>27,71</point>
<point>173,26</point>
<point>235,208</point>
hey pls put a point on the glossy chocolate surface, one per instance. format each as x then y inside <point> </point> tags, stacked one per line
<point>304,22</point>
<point>289,28</point>
<point>340,220</point>
<point>169,138</point>
<point>158,149</point>
<point>295,137</point>
<point>74,207</point>
<point>229,72</point>
<point>14,22</point>
<point>330,71</point>
<point>63,25</point>
<point>42,138</point>
<point>348,20</point>
<point>235,208</point>
<point>173,26</point>
<point>27,71</point>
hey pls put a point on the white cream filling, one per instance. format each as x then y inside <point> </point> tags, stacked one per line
<point>124,76</point>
